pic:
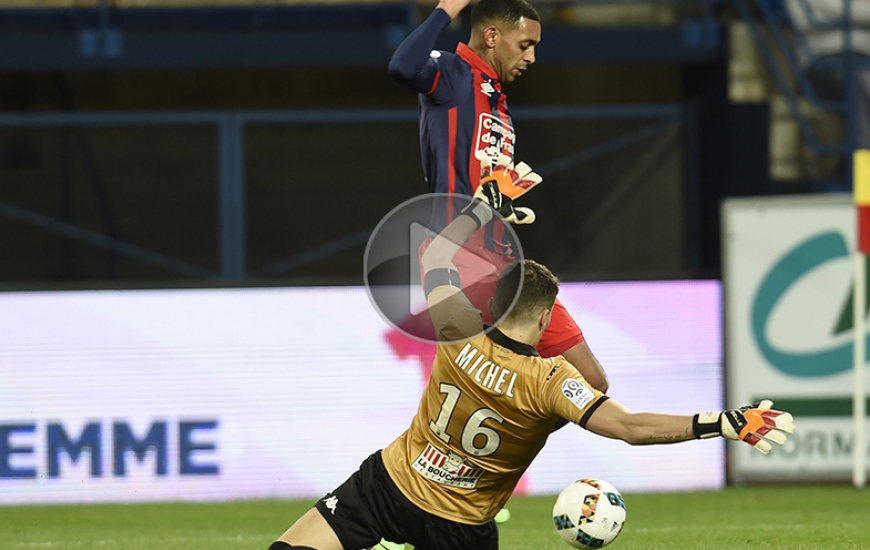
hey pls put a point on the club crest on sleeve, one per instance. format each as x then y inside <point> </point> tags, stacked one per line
<point>577,393</point>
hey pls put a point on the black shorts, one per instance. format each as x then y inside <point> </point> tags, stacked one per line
<point>369,506</point>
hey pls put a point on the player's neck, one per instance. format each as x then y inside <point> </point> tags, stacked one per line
<point>524,334</point>
<point>476,45</point>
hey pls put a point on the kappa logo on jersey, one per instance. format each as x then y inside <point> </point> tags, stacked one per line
<point>577,393</point>
<point>446,469</point>
<point>494,138</point>
<point>331,503</point>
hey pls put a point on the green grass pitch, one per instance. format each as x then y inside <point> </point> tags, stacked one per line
<point>793,518</point>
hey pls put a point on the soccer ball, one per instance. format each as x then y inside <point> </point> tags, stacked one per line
<point>589,513</point>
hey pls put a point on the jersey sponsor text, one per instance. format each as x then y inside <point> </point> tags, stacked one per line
<point>447,469</point>
<point>494,137</point>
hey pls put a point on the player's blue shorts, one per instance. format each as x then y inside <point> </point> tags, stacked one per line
<point>368,507</point>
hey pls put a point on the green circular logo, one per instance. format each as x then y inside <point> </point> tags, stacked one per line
<point>804,258</point>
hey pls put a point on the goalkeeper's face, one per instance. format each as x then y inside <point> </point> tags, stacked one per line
<point>514,48</point>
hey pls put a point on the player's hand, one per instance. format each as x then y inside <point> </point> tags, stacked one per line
<point>513,181</point>
<point>755,424</point>
<point>452,7</point>
<point>489,192</point>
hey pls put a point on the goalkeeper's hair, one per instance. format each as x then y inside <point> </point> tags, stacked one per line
<point>510,12</point>
<point>537,293</point>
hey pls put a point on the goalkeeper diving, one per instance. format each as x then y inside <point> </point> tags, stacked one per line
<point>490,405</point>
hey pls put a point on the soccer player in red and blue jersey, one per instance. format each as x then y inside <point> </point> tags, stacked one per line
<point>464,117</point>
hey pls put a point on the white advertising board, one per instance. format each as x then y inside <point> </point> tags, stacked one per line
<point>146,395</point>
<point>788,275</point>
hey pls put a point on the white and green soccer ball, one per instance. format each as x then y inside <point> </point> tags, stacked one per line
<point>589,513</point>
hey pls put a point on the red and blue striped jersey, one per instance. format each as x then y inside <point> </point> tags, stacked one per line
<point>463,112</point>
<point>463,115</point>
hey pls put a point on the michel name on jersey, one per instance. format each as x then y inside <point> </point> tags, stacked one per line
<point>486,373</point>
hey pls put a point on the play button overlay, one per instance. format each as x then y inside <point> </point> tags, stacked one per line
<point>393,278</point>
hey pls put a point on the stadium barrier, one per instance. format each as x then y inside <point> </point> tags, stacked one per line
<point>216,394</point>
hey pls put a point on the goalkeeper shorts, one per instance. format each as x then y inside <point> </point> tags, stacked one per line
<point>368,507</point>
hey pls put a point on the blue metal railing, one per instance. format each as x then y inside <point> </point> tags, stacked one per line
<point>791,43</point>
<point>784,40</point>
<point>231,170</point>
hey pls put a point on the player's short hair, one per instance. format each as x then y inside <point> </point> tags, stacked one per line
<point>502,11</point>
<point>538,292</point>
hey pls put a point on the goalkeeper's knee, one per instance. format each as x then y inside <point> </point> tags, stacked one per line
<point>281,545</point>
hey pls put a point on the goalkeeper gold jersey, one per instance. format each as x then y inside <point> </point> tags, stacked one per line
<point>489,406</point>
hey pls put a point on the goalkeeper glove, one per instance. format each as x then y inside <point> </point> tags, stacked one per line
<point>489,192</point>
<point>755,424</point>
<point>512,181</point>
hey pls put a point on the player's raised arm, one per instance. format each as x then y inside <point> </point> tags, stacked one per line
<point>437,260</point>
<point>452,7</point>
<point>439,255</point>
<point>453,315</point>
<point>486,202</point>
<point>412,63</point>
<point>756,424</point>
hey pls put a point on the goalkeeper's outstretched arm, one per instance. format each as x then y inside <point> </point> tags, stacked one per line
<point>757,425</point>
